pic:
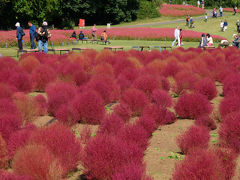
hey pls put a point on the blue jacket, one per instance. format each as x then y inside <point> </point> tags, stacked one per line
<point>19,32</point>
<point>32,30</point>
<point>225,24</point>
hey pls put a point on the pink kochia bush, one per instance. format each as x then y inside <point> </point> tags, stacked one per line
<point>41,104</point>
<point>61,142</point>
<point>230,132</point>
<point>206,121</point>
<point>37,162</point>
<point>180,10</point>
<point>195,137</point>
<point>206,87</point>
<point>193,105</point>
<point>3,154</point>
<point>229,104</point>
<point>5,175</point>
<point>231,85</point>
<point>202,164</point>
<point>136,99</point>
<point>43,75</point>
<point>104,156</point>
<point>123,110</point>
<point>161,98</point>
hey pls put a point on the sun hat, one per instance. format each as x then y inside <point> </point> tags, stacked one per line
<point>45,23</point>
<point>17,24</point>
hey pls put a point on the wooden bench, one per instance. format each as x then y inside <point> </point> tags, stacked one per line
<point>208,47</point>
<point>80,49</point>
<point>114,48</point>
<point>141,48</point>
<point>23,51</point>
<point>60,50</point>
<point>162,47</point>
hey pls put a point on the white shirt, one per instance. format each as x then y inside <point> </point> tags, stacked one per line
<point>177,33</point>
<point>221,24</point>
<point>210,40</point>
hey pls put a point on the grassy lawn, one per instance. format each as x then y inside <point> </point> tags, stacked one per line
<point>212,26</point>
<point>127,44</point>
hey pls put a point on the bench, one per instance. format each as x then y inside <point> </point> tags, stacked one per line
<point>162,47</point>
<point>23,51</point>
<point>80,49</point>
<point>60,50</point>
<point>141,48</point>
<point>114,48</point>
<point>207,47</point>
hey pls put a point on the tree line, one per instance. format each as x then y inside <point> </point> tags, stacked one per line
<point>66,14</point>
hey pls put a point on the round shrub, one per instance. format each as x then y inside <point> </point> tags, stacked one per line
<point>88,107</point>
<point>123,110</point>
<point>206,121</point>
<point>201,164</point>
<point>28,63</point>
<point>20,80</point>
<point>61,142</point>
<point>207,87</point>
<point>229,132</point>
<point>41,104</point>
<point>37,162</point>
<point>193,105</point>
<point>42,76</point>
<point>111,124</point>
<point>148,123</point>
<point>231,85</point>
<point>195,137</point>
<point>135,99</point>
<point>228,105</point>
<point>6,91</point>
<point>5,175</point>
<point>105,155</point>
<point>59,94</point>
<point>161,98</point>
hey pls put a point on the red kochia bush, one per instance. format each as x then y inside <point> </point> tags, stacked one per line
<point>3,154</point>
<point>206,87</point>
<point>131,172</point>
<point>194,137</point>
<point>134,134</point>
<point>201,164</point>
<point>61,142</point>
<point>148,123</point>
<point>123,110</point>
<point>28,63</point>
<point>43,75</point>
<point>18,139</point>
<point>192,106</point>
<point>111,124</point>
<point>59,94</point>
<point>106,87</point>
<point>136,99</point>
<point>5,175</point>
<point>161,98</point>
<point>230,132</point>
<point>41,104</point>
<point>231,85</point>
<point>105,155</point>
<point>229,104</point>
<point>88,107</point>
<point>147,83</point>
<point>206,121</point>
<point>37,162</point>
<point>6,91</point>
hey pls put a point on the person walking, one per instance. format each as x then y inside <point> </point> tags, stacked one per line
<point>19,36</point>
<point>235,10</point>
<point>187,20</point>
<point>225,25</point>
<point>177,36</point>
<point>94,30</point>
<point>32,33</point>
<point>238,25</point>
<point>221,11</point>
<point>198,3</point>
<point>191,22</point>
<point>206,17</point>
<point>44,34</point>
<point>222,25</point>
<point>202,4</point>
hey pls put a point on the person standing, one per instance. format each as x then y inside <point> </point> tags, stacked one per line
<point>191,22</point>
<point>94,30</point>
<point>221,11</point>
<point>20,34</point>
<point>187,20</point>
<point>198,3</point>
<point>222,25</point>
<point>225,25</point>
<point>177,36</point>
<point>170,1</point>
<point>206,17</point>
<point>202,4</point>
<point>44,34</point>
<point>32,33</point>
<point>235,10</point>
<point>238,25</point>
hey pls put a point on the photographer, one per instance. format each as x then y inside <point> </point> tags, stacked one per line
<point>43,36</point>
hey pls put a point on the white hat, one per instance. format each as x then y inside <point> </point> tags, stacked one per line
<point>45,23</point>
<point>17,24</point>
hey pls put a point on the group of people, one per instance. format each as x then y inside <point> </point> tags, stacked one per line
<point>189,21</point>
<point>206,41</point>
<point>104,36</point>
<point>42,35</point>
<point>200,3</point>
<point>214,12</point>
<point>224,25</point>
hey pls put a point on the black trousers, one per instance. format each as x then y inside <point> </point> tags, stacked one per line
<point>20,45</point>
